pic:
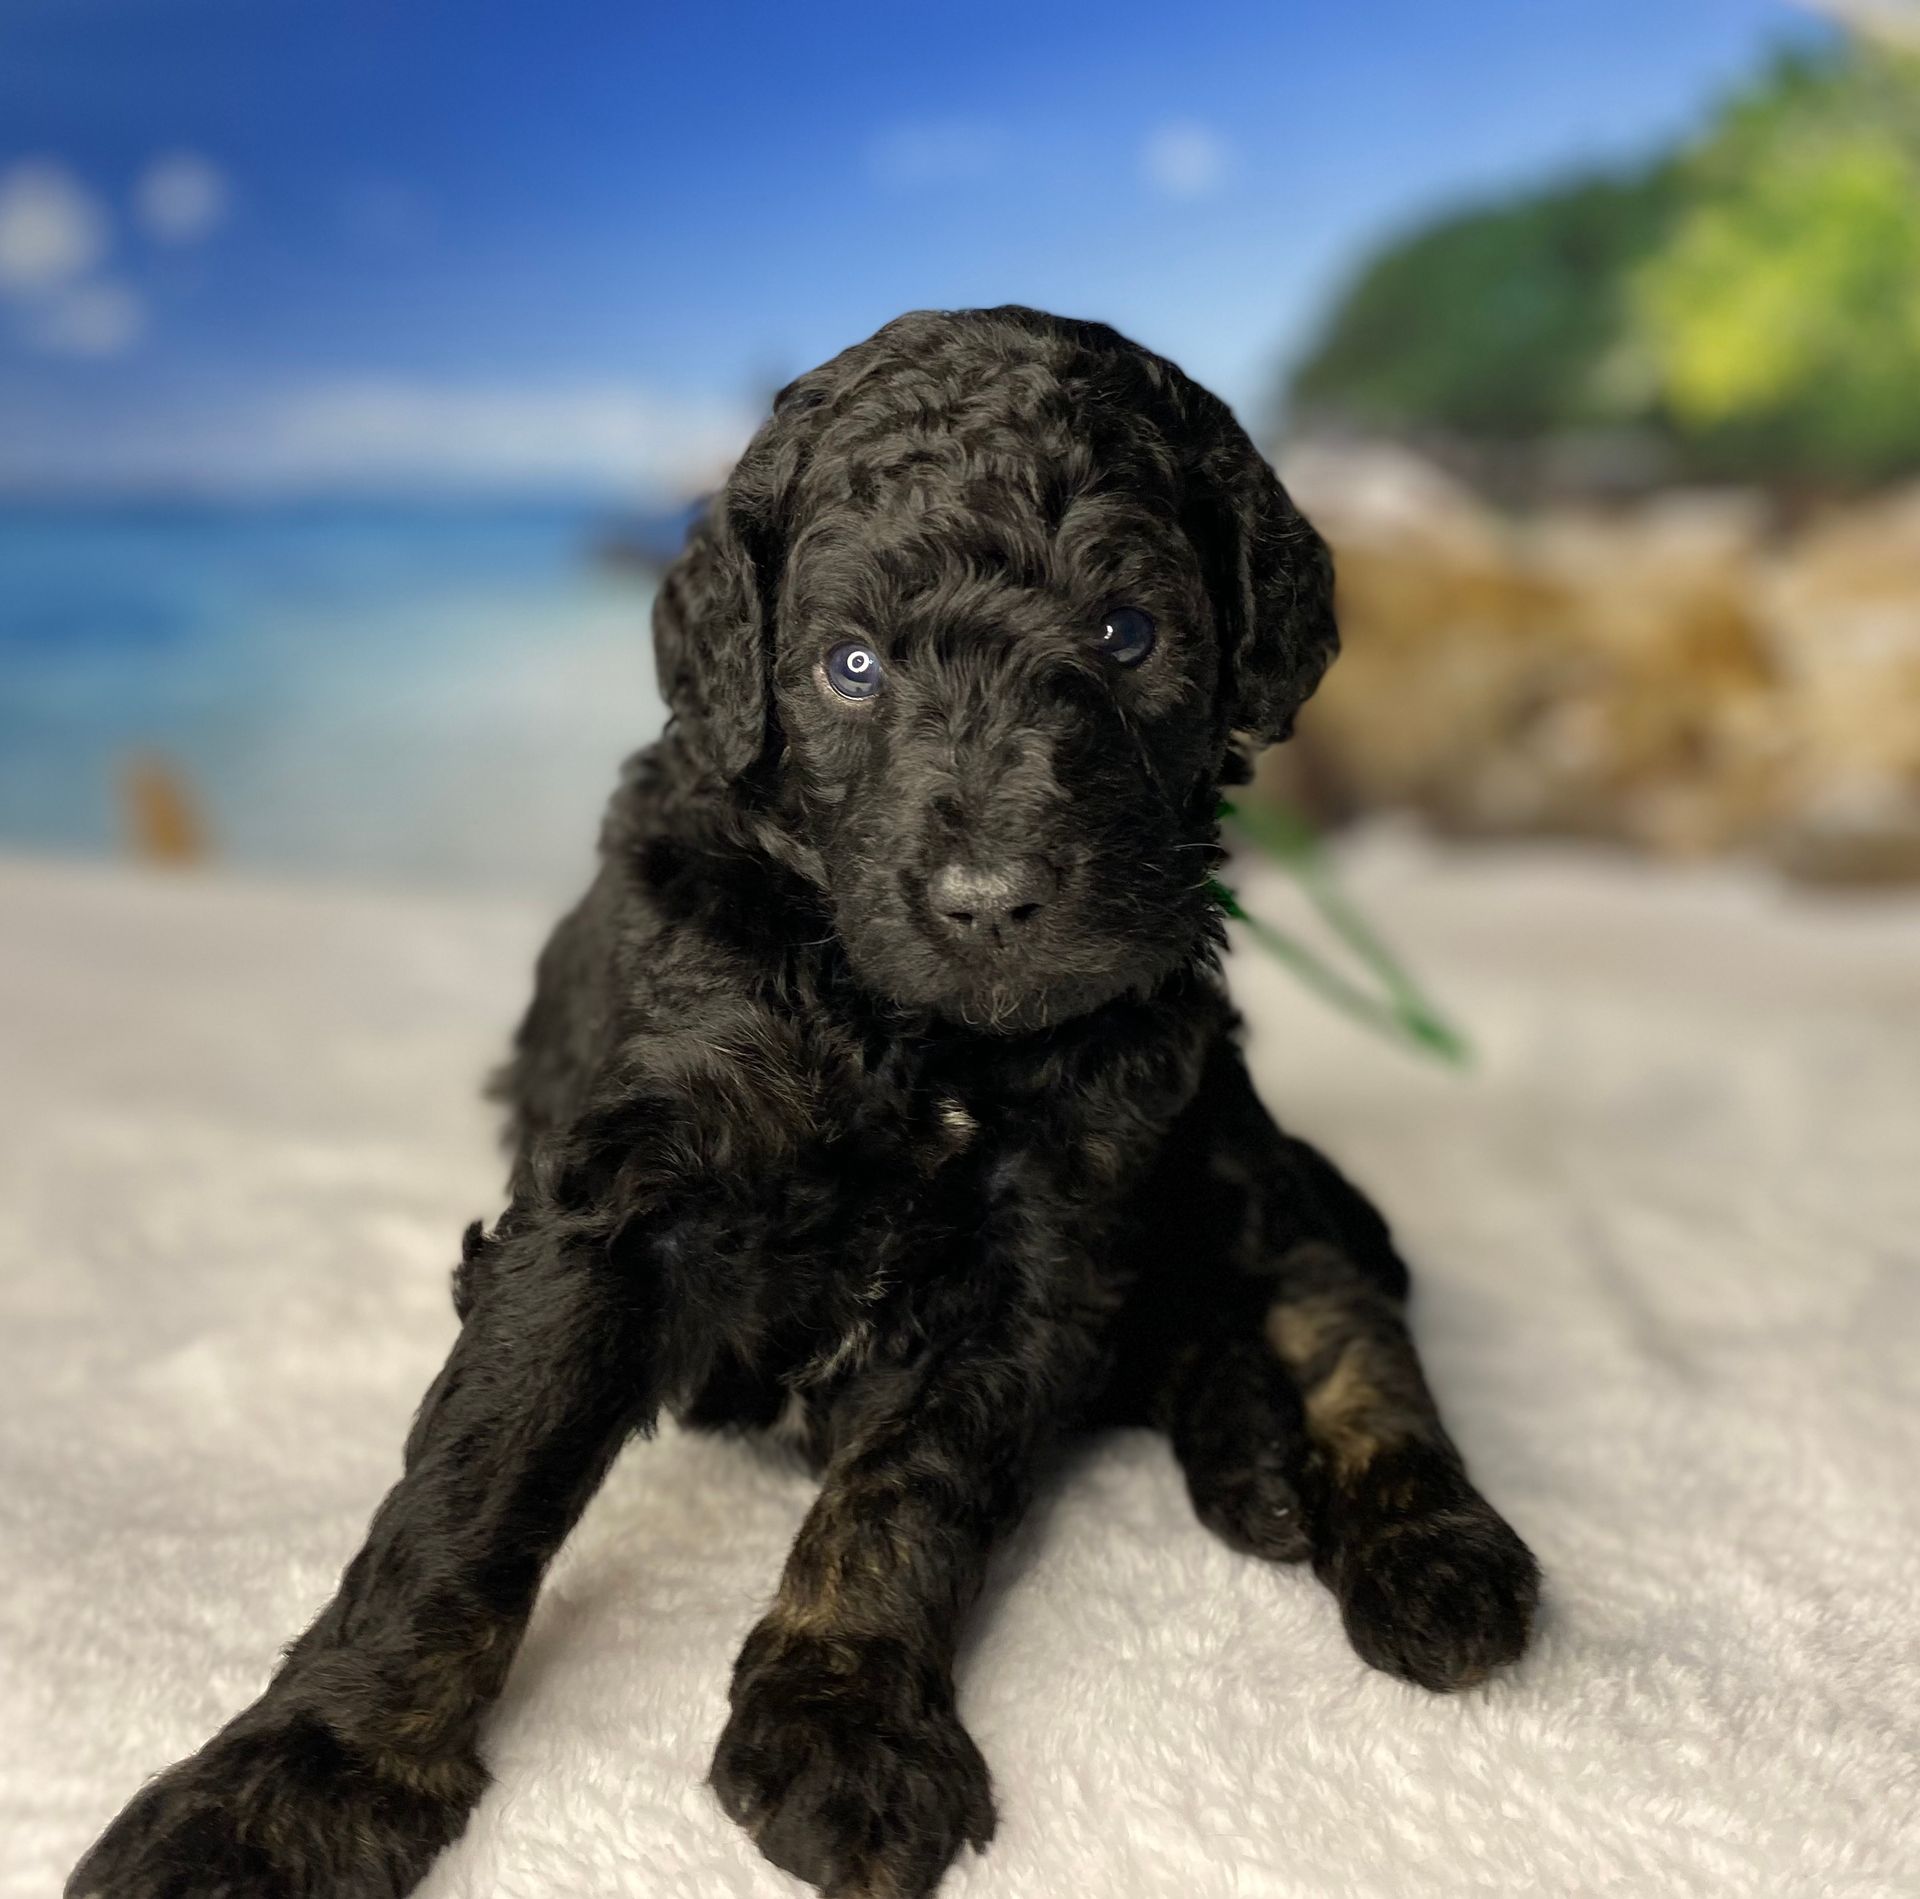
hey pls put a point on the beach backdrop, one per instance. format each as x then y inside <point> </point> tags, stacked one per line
<point>356,377</point>
<point>386,688</point>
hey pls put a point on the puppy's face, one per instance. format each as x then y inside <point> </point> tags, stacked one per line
<point>1001,576</point>
<point>1003,731</point>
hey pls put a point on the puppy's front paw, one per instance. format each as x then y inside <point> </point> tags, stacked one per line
<point>1434,1585</point>
<point>846,1763</point>
<point>277,1811</point>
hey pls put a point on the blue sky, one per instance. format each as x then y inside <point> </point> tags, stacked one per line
<point>309,242</point>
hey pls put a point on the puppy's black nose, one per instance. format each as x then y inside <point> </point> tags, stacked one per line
<point>990,900</point>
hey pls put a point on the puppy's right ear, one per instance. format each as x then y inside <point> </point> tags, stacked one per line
<point>713,616</point>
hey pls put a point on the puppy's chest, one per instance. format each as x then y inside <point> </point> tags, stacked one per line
<point>895,1161</point>
<point>888,1167</point>
<point>916,1202</point>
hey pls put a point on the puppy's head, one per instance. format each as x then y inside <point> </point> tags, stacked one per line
<point>984,616</point>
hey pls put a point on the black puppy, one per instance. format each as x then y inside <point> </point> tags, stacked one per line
<point>884,1090</point>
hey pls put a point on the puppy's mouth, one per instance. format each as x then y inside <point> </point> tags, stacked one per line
<point>995,1005</point>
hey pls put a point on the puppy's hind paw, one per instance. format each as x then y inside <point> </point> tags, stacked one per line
<point>1440,1597</point>
<point>1237,1432</point>
<point>1249,1502</point>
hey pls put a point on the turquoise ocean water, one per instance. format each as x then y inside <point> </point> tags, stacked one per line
<point>411,692</point>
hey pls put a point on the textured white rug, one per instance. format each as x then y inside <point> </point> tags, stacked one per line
<point>1670,1239</point>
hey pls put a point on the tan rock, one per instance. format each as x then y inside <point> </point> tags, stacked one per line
<point>1675,675</point>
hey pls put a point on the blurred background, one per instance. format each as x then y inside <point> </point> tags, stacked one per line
<point>359,365</point>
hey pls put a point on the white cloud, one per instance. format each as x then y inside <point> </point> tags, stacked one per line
<point>182,198</point>
<point>376,434</point>
<point>1897,20</point>
<point>928,152</point>
<point>52,229</point>
<point>54,234</point>
<point>98,319</point>
<point>1184,161</point>
<point>596,433</point>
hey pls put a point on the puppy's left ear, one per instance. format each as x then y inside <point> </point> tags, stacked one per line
<point>1272,578</point>
<point>713,616</point>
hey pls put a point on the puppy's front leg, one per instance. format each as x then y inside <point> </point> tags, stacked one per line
<point>358,1764</point>
<point>844,1757</point>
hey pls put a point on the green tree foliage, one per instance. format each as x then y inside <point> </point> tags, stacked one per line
<point>1499,322</point>
<point>1783,312</point>
<point>1754,299</point>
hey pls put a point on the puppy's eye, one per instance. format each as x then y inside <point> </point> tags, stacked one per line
<point>854,670</point>
<point>1126,636</point>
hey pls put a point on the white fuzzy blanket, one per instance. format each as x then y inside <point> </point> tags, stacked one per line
<point>1670,1239</point>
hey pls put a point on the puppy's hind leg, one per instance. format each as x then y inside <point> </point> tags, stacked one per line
<point>1235,1422</point>
<point>1303,1373</point>
<point>1432,1582</point>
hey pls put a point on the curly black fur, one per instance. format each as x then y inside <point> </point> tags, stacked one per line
<point>794,1145</point>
